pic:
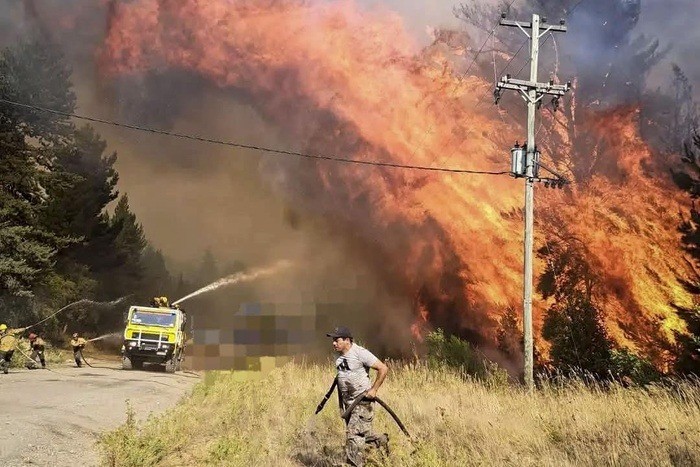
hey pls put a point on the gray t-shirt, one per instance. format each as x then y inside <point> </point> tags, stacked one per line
<point>353,372</point>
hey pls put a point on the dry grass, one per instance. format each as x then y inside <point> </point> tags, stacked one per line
<point>270,421</point>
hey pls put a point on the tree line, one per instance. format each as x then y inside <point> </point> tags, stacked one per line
<point>58,242</point>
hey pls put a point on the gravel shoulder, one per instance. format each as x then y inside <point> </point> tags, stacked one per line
<point>54,417</point>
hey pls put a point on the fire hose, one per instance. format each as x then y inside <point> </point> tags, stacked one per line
<point>101,367</point>
<point>78,302</point>
<point>348,412</point>
<point>80,351</point>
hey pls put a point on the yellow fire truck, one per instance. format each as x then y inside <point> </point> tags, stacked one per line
<point>154,334</point>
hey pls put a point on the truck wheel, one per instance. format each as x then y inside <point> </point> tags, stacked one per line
<point>126,363</point>
<point>137,363</point>
<point>178,362</point>
<point>170,365</point>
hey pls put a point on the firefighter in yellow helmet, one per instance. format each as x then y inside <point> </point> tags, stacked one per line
<point>164,302</point>
<point>78,343</point>
<point>8,343</point>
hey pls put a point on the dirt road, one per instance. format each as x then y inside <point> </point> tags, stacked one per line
<point>53,417</point>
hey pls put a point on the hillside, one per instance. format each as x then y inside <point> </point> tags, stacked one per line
<point>229,420</point>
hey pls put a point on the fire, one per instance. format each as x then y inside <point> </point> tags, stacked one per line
<point>627,222</point>
<point>350,81</point>
<point>420,324</point>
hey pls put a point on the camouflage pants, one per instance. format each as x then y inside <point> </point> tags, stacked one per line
<point>38,352</point>
<point>77,356</point>
<point>358,434</point>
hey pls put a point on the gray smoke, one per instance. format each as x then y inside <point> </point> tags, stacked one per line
<point>191,197</point>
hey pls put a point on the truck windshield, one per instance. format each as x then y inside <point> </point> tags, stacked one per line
<point>153,319</point>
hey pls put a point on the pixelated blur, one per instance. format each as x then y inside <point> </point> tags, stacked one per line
<point>259,336</point>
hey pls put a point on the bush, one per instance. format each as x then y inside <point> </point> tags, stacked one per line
<point>52,355</point>
<point>453,352</point>
<point>126,447</point>
<point>625,364</point>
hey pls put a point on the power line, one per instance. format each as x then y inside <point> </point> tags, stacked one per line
<point>250,146</point>
<point>481,99</point>
<point>486,40</point>
<point>568,14</point>
<point>493,30</point>
<point>574,7</point>
<point>457,82</point>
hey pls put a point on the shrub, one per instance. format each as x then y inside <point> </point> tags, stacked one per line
<point>453,352</point>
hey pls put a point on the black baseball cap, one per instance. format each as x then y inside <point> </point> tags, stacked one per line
<point>340,331</point>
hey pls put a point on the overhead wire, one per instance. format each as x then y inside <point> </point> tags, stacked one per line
<point>458,80</point>
<point>282,152</point>
<point>298,153</point>
<point>527,62</point>
<point>568,13</point>
<point>483,95</point>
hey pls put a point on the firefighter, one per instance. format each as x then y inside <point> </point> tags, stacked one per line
<point>78,343</point>
<point>38,346</point>
<point>8,343</point>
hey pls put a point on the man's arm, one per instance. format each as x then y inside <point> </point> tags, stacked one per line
<point>382,370</point>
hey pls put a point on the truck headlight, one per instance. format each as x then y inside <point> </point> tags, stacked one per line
<point>132,344</point>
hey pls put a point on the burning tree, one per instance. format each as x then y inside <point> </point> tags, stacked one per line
<point>573,323</point>
<point>688,344</point>
<point>348,81</point>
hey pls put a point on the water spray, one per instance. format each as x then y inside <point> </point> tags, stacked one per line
<point>237,278</point>
<point>105,336</point>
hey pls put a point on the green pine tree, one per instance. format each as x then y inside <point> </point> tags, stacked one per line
<point>578,338</point>
<point>32,73</point>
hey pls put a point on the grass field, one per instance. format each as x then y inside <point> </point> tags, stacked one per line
<point>232,420</point>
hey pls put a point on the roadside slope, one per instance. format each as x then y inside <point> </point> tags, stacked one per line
<point>455,422</point>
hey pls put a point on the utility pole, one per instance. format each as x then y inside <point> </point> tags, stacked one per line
<point>525,160</point>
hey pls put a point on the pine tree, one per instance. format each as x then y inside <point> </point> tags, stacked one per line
<point>34,73</point>
<point>57,241</point>
<point>578,338</point>
<point>83,182</point>
<point>573,324</point>
<point>120,269</point>
<point>156,278</point>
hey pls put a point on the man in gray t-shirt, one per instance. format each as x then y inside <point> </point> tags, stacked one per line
<point>353,364</point>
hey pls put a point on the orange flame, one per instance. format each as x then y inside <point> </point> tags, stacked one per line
<point>457,238</point>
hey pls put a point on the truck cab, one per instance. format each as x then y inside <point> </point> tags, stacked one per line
<point>154,335</point>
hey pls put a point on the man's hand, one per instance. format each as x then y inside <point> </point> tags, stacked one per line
<point>371,394</point>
